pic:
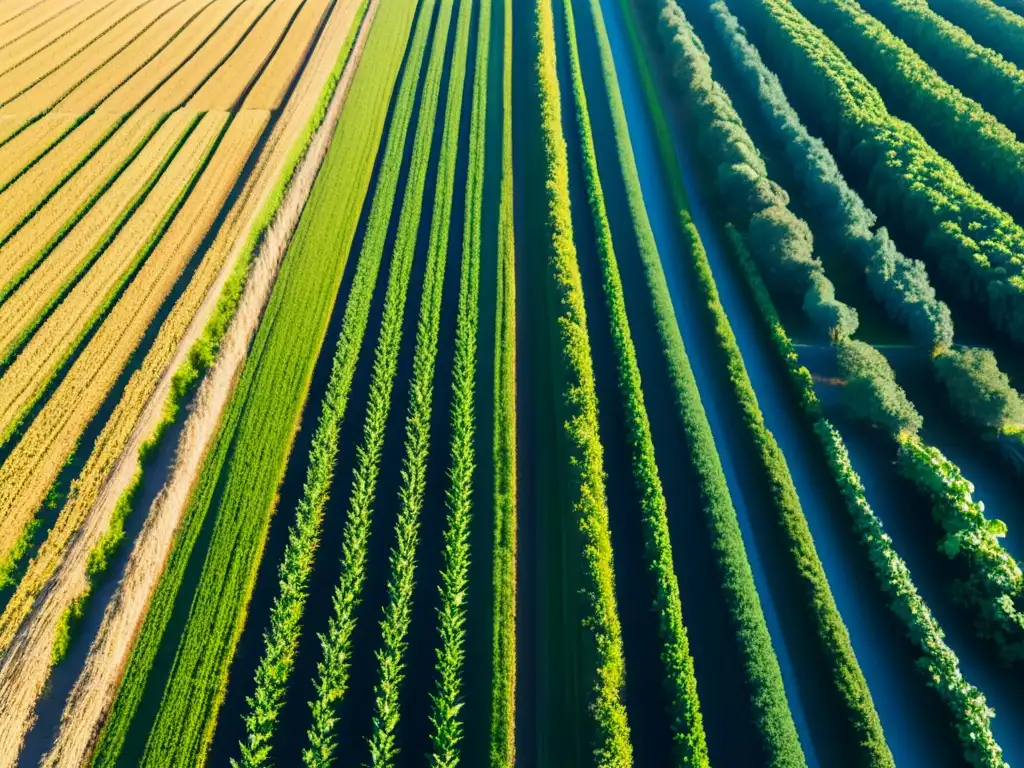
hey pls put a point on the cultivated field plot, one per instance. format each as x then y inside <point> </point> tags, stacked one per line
<point>551,383</point>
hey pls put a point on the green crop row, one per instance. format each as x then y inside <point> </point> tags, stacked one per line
<point>938,663</point>
<point>332,670</point>
<point>994,585</point>
<point>244,467</point>
<point>765,692</point>
<point>680,681</point>
<point>503,651</point>
<point>202,352</point>
<point>446,704</point>
<point>693,74</point>
<point>989,24</point>
<point>412,490</point>
<point>974,244</point>
<point>979,72</point>
<point>985,151</point>
<point>603,631</point>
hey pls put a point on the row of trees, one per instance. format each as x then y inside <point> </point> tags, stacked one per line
<point>984,151</point>
<point>978,389</point>
<point>938,662</point>
<point>783,245</point>
<point>988,23</point>
<point>979,72</point>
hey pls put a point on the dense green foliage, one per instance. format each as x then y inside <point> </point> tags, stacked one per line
<point>981,73</point>
<point>412,490</point>
<point>680,680</point>
<point>446,704</point>
<point>870,391</point>
<point>503,652</point>
<point>769,708</point>
<point>333,669</point>
<point>988,23</point>
<point>719,130</point>
<point>979,390</point>
<point>938,663</point>
<point>780,241</point>
<point>984,151</point>
<point>995,584</point>
<point>975,246</point>
<point>603,631</point>
<point>247,460</point>
<point>899,283</point>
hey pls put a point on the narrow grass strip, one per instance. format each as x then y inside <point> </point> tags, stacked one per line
<point>446,723</point>
<point>503,454</point>
<point>602,630</point>
<point>412,491</point>
<point>680,681</point>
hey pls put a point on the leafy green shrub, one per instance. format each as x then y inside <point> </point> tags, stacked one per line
<point>979,390</point>
<point>870,391</point>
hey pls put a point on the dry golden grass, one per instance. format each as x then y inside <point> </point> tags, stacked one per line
<point>273,80</point>
<point>226,86</point>
<point>186,79</point>
<point>30,143</point>
<point>64,30</point>
<point>36,364</point>
<point>132,92</point>
<point>23,248</point>
<point>49,440</point>
<point>23,195</point>
<point>21,17</point>
<point>22,308</point>
<point>106,79</point>
<point>52,86</point>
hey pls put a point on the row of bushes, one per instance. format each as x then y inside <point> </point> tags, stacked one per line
<point>245,464</point>
<point>720,133</point>
<point>333,669</point>
<point>680,682</point>
<point>979,72</point>
<point>988,23</point>
<point>612,745</point>
<point>985,151</point>
<point>503,648</point>
<point>994,585</point>
<point>973,243</point>
<point>764,689</point>
<point>938,663</point>
<point>412,489</point>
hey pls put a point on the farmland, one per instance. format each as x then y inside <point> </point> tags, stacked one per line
<point>479,382</point>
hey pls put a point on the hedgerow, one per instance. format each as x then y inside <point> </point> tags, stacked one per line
<point>975,245</point>
<point>989,24</point>
<point>503,651</point>
<point>612,746</point>
<point>722,137</point>
<point>769,708</point>
<point>679,680</point>
<point>938,664</point>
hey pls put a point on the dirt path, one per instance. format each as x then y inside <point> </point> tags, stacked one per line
<point>25,666</point>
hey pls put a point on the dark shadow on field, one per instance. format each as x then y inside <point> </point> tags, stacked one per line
<point>646,704</point>
<point>549,699</point>
<point>294,718</point>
